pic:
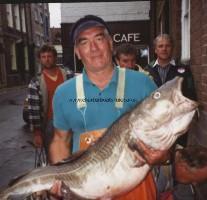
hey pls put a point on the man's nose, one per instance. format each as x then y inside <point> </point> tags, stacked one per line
<point>164,47</point>
<point>130,64</point>
<point>93,45</point>
<point>47,58</point>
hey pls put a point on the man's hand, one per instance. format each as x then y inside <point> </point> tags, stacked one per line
<point>38,139</point>
<point>60,146</point>
<point>152,156</point>
<point>55,191</point>
<point>191,165</point>
<point>60,191</point>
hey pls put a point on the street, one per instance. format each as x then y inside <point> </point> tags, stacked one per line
<point>16,153</point>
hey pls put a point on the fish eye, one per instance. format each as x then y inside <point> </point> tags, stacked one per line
<point>156,95</point>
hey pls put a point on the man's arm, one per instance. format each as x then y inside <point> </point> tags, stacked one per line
<point>191,164</point>
<point>34,112</point>
<point>38,138</point>
<point>152,156</point>
<point>60,147</point>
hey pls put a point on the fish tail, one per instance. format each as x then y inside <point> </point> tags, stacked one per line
<point>4,193</point>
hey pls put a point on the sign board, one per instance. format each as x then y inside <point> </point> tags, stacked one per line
<point>136,32</point>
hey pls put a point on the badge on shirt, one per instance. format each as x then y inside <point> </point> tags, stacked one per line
<point>181,70</point>
<point>89,138</point>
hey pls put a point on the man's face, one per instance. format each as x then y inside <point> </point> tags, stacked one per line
<point>163,49</point>
<point>94,48</point>
<point>47,60</point>
<point>126,61</point>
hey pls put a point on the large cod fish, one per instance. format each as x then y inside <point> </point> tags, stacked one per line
<point>111,166</point>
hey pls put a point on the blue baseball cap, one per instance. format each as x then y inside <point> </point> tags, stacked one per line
<point>84,23</point>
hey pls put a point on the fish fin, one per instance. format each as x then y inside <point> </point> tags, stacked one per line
<point>68,194</point>
<point>138,158</point>
<point>19,197</point>
<point>17,178</point>
<point>132,144</point>
<point>70,159</point>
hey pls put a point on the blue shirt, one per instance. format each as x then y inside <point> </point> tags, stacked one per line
<point>100,111</point>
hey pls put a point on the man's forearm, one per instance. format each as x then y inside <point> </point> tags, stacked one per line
<point>191,164</point>
<point>59,150</point>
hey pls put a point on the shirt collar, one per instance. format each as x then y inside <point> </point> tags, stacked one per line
<point>172,62</point>
<point>113,80</point>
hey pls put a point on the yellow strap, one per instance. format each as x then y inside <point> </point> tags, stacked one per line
<point>119,93</point>
<point>80,92</point>
<point>120,88</point>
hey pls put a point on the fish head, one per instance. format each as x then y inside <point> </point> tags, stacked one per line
<point>163,116</point>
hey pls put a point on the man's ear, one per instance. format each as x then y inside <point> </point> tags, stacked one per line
<point>77,53</point>
<point>117,61</point>
<point>155,50</point>
<point>111,44</point>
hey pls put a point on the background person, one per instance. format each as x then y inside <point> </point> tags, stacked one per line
<point>126,57</point>
<point>41,90</point>
<point>163,69</point>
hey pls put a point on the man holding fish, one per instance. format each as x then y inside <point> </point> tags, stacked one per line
<point>90,103</point>
<point>97,98</point>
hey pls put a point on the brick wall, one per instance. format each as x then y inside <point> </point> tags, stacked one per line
<point>199,49</point>
<point>175,26</point>
<point>198,134</point>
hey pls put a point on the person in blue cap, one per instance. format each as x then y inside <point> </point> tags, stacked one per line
<point>78,121</point>
<point>86,105</point>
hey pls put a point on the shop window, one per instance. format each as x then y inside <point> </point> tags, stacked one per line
<point>38,40</point>
<point>45,6</point>
<point>9,15</point>
<point>36,15</point>
<point>185,23</point>
<point>17,17</point>
<point>26,61</point>
<point>60,59</point>
<point>46,27</point>
<point>23,20</point>
<point>13,57</point>
<point>41,18</point>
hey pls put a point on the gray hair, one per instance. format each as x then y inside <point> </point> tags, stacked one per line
<point>163,36</point>
<point>105,31</point>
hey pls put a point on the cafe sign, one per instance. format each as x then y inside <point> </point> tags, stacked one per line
<point>136,32</point>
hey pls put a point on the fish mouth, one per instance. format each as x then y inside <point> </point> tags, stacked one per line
<point>182,106</point>
<point>179,99</point>
<point>188,101</point>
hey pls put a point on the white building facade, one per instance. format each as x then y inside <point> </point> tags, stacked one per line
<point>129,21</point>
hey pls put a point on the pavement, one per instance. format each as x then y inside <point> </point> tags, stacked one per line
<point>16,152</point>
<point>11,90</point>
